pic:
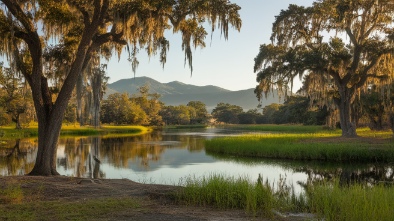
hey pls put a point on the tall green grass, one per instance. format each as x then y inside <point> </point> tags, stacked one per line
<point>354,203</point>
<point>328,201</point>
<point>237,193</point>
<point>301,147</point>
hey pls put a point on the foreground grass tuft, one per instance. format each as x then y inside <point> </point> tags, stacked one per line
<point>328,201</point>
<point>354,203</point>
<point>231,193</point>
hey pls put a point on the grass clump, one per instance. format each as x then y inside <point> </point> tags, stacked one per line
<point>353,203</point>
<point>231,193</point>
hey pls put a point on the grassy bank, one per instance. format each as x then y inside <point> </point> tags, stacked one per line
<point>326,146</point>
<point>325,201</point>
<point>238,193</point>
<point>285,128</point>
<point>9,132</point>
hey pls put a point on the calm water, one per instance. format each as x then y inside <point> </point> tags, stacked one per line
<point>168,157</point>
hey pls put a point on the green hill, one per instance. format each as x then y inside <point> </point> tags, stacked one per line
<point>176,93</point>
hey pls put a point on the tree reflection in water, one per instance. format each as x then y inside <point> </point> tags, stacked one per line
<point>17,157</point>
<point>83,156</point>
<point>369,175</point>
<point>96,157</point>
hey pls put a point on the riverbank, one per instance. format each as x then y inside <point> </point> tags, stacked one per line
<point>300,143</point>
<point>68,198</point>
<point>9,132</point>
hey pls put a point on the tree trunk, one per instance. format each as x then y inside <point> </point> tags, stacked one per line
<point>50,114</point>
<point>344,107</point>
<point>96,87</point>
<point>79,89</point>
<point>17,122</point>
<point>48,135</point>
<point>391,121</point>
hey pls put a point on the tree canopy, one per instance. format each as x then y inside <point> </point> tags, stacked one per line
<point>79,30</point>
<point>343,46</point>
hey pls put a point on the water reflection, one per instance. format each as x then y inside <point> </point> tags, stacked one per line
<point>17,157</point>
<point>168,156</point>
<point>369,174</point>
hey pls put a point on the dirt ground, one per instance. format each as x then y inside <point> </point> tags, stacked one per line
<point>154,199</point>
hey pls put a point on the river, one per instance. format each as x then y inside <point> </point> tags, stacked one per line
<point>170,156</point>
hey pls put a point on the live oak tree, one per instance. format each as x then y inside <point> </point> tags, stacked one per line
<point>345,44</point>
<point>15,96</point>
<point>201,116</point>
<point>85,27</point>
<point>227,113</point>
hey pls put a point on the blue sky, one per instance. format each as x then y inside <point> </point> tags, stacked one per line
<point>227,64</point>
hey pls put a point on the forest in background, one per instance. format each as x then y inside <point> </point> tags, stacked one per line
<point>145,108</point>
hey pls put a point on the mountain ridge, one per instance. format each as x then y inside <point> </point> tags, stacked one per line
<point>176,93</point>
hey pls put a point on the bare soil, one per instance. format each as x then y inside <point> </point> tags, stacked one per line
<point>156,201</point>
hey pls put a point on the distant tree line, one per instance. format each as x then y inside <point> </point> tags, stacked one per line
<point>372,108</point>
<point>295,110</point>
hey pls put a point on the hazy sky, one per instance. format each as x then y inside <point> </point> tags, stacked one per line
<point>227,64</point>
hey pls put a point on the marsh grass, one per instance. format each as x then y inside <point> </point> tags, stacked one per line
<point>328,201</point>
<point>97,209</point>
<point>72,130</point>
<point>237,193</point>
<point>303,146</point>
<point>354,203</point>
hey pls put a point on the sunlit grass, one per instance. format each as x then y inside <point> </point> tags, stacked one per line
<point>306,146</point>
<point>9,132</point>
<point>286,128</point>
